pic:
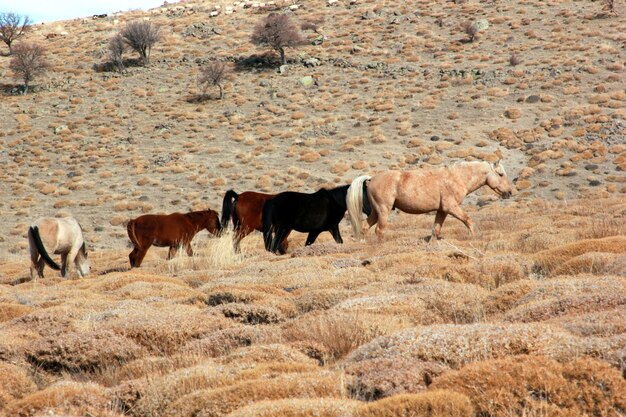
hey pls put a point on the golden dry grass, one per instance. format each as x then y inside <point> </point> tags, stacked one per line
<point>360,329</point>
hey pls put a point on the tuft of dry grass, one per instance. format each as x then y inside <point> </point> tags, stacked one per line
<point>435,403</point>
<point>532,385</point>
<point>299,407</point>
<point>15,383</point>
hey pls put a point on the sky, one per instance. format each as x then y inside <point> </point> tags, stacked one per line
<point>51,10</point>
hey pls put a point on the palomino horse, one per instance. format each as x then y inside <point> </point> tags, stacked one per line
<point>59,236</point>
<point>246,210</point>
<point>423,191</point>
<point>306,213</point>
<point>171,230</point>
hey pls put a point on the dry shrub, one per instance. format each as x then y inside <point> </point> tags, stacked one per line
<point>153,366</point>
<point>502,271</point>
<point>141,290</point>
<point>299,407</point>
<point>547,261</point>
<point>604,227</point>
<point>597,263</point>
<point>14,383</point>
<point>338,332</point>
<point>266,353</point>
<point>378,378</point>
<point>221,401</point>
<point>9,311</point>
<point>598,323</point>
<point>163,331</point>
<point>539,386</point>
<point>436,403</point>
<point>65,398</point>
<point>559,297</point>
<point>322,299</point>
<point>456,345</point>
<point>88,351</point>
<point>222,342</point>
<point>250,314</point>
<point>117,280</point>
<point>506,297</point>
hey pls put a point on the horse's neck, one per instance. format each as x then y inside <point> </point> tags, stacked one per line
<point>474,175</point>
<point>195,221</point>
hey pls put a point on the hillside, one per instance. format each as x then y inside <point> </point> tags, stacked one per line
<point>527,317</point>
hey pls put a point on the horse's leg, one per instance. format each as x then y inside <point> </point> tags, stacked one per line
<point>141,253</point>
<point>189,249</point>
<point>336,235</point>
<point>40,266</point>
<point>458,213</point>
<point>284,244</point>
<point>132,257</point>
<point>279,235</point>
<point>311,238</point>
<point>440,217</point>
<point>172,252</point>
<point>383,214</point>
<point>64,265</point>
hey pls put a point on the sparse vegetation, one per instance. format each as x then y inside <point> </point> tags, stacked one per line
<point>116,47</point>
<point>28,62</point>
<point>277,31</point>
<point>213,74</point>
<point>12,27</point>
<point>141,36</point>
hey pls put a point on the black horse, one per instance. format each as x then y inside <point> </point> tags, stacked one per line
<point>305,213</point>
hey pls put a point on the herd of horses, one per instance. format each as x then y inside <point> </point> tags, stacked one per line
<point>439,190</point>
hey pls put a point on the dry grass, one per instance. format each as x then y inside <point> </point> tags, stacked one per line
<point>319,330</point>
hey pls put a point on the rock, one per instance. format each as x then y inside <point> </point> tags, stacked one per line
<point>368,15</point>
<point>283,69</point>
<point>60,129</point>
<point>312,62</point>
<point>434,138</point>
<point>591,167</point>
<point>307,81</point>
<point>532,99</point>
<point>481,25</point>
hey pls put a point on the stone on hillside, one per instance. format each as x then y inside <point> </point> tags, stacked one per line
<point>312,62</point>
<point>307,81</point>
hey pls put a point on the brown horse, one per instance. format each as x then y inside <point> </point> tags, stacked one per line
<point>171,230</point>
<point>246,210</point>
<point>423,191</point>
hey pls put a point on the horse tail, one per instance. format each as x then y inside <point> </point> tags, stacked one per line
<point>268,226</point>
<point>130,228</point>
<point>228,205</point>
<point>354,203</point>
<point>33,232</point>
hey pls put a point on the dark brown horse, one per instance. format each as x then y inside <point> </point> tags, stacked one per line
<point>246,210</point>
<point>171,230</point>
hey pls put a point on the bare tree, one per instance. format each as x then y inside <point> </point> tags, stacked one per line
<point>116,47</point>
<point>12,27</point>
<point>213,74</point>
<point>278,32</point>
<point>28,62</point>
<point>141,36</point>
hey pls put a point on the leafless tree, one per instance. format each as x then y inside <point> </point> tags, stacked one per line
<point>278,32</point>
<point>28,62</point>
<point>12,27</point>
<point>116,47</point>
<point>213,74</point>
<point>141,36</point>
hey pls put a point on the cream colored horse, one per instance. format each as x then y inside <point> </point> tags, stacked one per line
<point>59,236</point>
<point>423,191</point>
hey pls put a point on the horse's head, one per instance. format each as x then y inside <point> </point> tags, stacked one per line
<point>211,222</point>
<point>498,181</point>
<point>82,263</point>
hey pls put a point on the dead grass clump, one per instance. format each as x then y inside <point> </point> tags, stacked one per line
<point>141,290</point>
<point>250,314</point>
<point>14,383</point>
<point>65,398</point>
<point>565,296</point>
<point>322,299</point>
<point>88,351</point>
<point>531,385</point>
<point>598,323</point>
<point>601,228</point>
<point>153,366</point>
<point>374,379</point>
<point>456,345</point>
<point>597,263</point>
<point>221,401</point>
<point>266,353</point>
<point>165,330</point>
<point>548,261</point>
<point>506,297</point>
<point>299,407</point>
<point>502,271</point>
<point>9,311</point>
<point>222,342</point>
<point>436,403</point>
<point>340,333</point>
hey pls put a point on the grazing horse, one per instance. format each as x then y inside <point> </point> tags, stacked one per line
<point>171,230</point>
<point>423,191</point>
<point>60,236</point>
<point>246,210</point>
<point>306,213</point>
